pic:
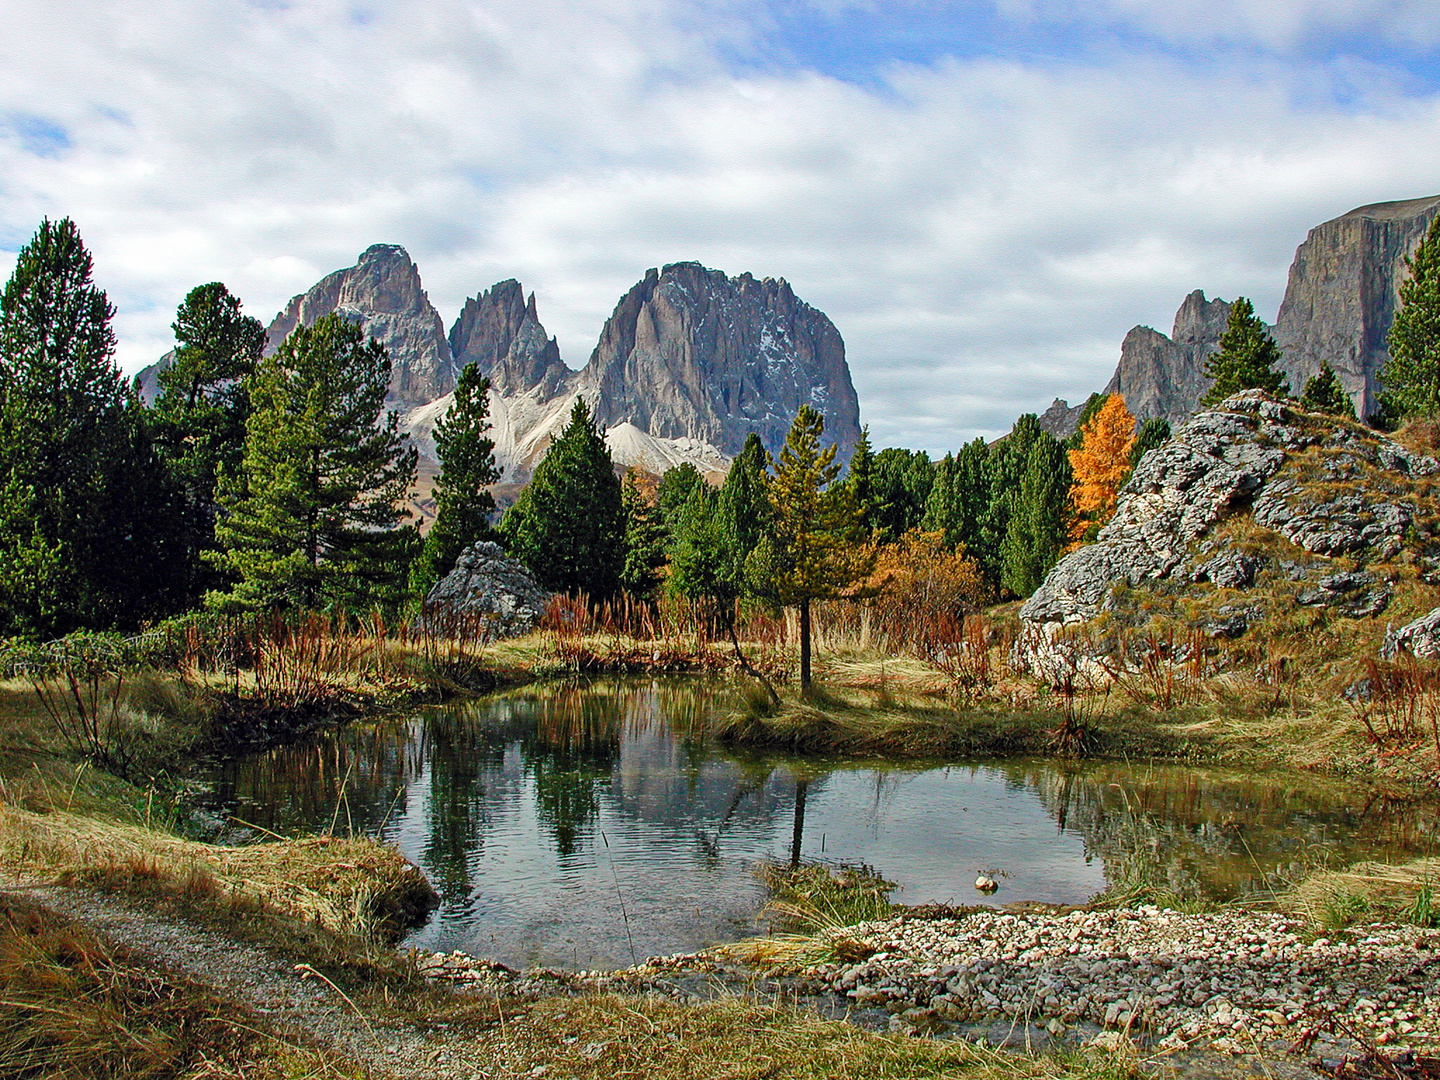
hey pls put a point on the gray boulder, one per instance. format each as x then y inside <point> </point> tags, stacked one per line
<point>1229,460</point>
<point>1419,638</point>
<point>486,592</point>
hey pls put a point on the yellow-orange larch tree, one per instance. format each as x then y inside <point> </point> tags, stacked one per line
<point>1100,465</point>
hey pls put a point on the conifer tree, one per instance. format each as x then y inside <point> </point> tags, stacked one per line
<point>674,490</point>
<point>861,477</point>
<point>1040,522</point>
<point>1100,465</point>
<point>313,518</point>
<point>1247,358</point>
<point>199,417</point>
<point>463,503</point>
<point>1153,433</point>
<point>941,512</point>
<point>742,514</point>
<point>901,488</point>
<point>1004,469</point>
<point>644,539</point>
<point>697,552</point>
<point>1411,376</point>
<point>816,531</point>
<point>83,500</point>
<point>1323,393</point>
<point>568,526</point>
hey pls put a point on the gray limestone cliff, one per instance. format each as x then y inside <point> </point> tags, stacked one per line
<point>500,332</point>
<point>1161,376</point>
<point>382,292</point>
<point>693,354</point>
<point>1342,293</point>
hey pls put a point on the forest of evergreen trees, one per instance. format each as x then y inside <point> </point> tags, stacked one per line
<point>258,482</point>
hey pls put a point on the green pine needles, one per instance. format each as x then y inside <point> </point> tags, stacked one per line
<point>568,525</point>
<point>313,518</point>
<point>1247,358</point>
<point>1324,394</point>
<point>463,503</point>
<point>1411,376</point>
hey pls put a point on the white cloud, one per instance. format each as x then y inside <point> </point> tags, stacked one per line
<point>982,232</point>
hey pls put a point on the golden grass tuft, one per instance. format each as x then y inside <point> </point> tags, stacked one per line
<point>350,887</point>
<point>1404,892</point>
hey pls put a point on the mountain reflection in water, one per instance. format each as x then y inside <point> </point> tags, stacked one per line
<point>549,818</point>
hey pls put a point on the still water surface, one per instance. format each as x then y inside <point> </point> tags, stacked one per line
<point>590,825</point>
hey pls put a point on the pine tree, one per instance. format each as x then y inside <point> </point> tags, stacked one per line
<point>463,503</point>
<point>1411,376</point>
<point>901,489</point>
<point>1004,469</point>
<point>313,518</point>
<point>817,554</point>
<point>742,514</point>
<point>1153,433</point>
<point>673,493</point>
<point>568,525</point>
<point>1101,465</point>
<point>82,497</point>
<point>1040,522</point>
<point>199,417</point>
<point>861,477</point>
<point>941,512</point>
<point>644,539</point>
<point>1247,358</point>
<point>1323,393</point>
<point>697,552</point>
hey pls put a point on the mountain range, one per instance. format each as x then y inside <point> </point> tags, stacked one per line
<point>690,362</point>
<point>1339,302</point>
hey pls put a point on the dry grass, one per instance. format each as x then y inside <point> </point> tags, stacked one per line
<point>1407,892</point>
<point>73,1007</point>
<point>348,887</point>
<point>609,1038</point>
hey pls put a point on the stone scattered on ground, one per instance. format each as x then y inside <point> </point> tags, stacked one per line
<point>1168,977</point>
<point>487,592</point>
<point>1420,638</point>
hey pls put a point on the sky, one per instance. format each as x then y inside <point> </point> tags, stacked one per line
<point>983,195</point>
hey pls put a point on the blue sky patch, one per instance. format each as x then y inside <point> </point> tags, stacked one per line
<point>38,136</point>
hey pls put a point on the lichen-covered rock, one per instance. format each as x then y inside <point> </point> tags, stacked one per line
<point>486,592</point>
<point>1419,638</point>
<point>1327,497</point>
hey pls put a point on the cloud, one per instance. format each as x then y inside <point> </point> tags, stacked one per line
<point>982,228</point>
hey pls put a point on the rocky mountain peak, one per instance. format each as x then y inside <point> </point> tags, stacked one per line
<point>691,353</point>
<point>1200,322</point>
<point>382,291</point>
<point>1342,292</point>
<point>500,332</point>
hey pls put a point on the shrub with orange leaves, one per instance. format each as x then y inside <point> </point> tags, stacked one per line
<point>1101,464</point>
<point>918,582</point>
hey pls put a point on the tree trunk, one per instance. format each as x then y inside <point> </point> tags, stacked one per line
<point>805,644</point>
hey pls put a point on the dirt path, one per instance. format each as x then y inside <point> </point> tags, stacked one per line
<point>297,1006</point>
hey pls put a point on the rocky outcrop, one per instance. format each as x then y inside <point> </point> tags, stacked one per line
<point>1342,293</point>
<point>693,354</point>
<point>1061,419</point>
<point>487,592</point>
<point>1161,376</point>
<point>501,334</point>
<point>1321,489</point>
<point>382,292</point>
<point>1420,638</point>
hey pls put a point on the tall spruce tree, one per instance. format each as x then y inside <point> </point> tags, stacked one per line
<point>1411,376</point>
<point>902,483</point>
<point>1323,393</point>
<point>199,418</point>
<point>860,475</point>
<point>463,503</point>
<point>816,529</point>
<point>673,492</point>
<point>568,526</point>
<point>742,515</point>
<point>644,540</point>
<point>1247,358</point>
<point>83,500</point>
<point>313,519</point>
<point>1039,523</point>
<point>1004,470</point>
